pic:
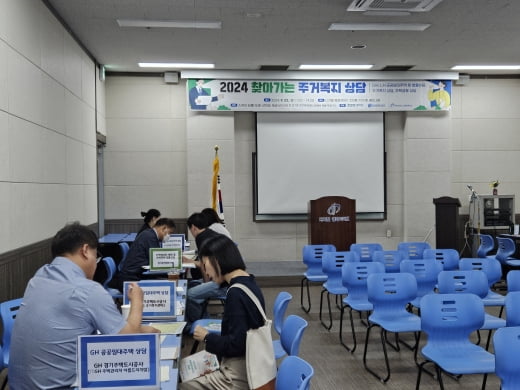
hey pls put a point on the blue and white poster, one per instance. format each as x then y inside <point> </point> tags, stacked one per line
<point>319,95</point>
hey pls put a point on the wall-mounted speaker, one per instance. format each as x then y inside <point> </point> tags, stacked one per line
<point>101,72</point>
<point>171,77</point>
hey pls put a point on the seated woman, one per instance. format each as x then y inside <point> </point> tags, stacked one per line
<point>223,263</point>
<point>150,217</point>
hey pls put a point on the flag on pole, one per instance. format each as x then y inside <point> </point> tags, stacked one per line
<point>216,193</point>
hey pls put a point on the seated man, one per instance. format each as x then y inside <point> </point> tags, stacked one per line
<point>200,291</point>
<point>62,302</point>
<point>139,253</point>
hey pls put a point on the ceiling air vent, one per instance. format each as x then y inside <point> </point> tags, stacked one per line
<point>393,5</point>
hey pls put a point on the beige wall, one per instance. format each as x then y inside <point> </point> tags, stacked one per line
<point>429,154</point>
<point>47,126</point>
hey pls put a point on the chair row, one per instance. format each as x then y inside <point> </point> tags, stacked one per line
<point>448,317</point>
<point>313,259</point>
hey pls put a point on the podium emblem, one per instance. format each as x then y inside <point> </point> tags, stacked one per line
<point>334,208</point>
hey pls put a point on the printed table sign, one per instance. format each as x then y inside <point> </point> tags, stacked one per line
<point>158,300</point>
<point>175,241</point>
<point>119,362</point>
<point>163,259</point>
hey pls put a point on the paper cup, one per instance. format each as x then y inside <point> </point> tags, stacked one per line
<point>125,310</point>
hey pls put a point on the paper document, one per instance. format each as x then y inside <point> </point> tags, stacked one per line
<point>197,365</point>
<point>169,353</point>
<point>169,327</point>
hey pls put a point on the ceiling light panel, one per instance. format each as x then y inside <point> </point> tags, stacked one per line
<point>379,26</point>
<point>175,65</point>
<point>202,24</point>
<point>486,67</point>
<point>334,67</point>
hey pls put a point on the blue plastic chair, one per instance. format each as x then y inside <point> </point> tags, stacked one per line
<point>365,251</point>
<point>292,334</point>
<point>331,265</point>
<point>449,258</point>
<point>312,258</point>
<point>390,295</point>
<point>487,244</point>
<point>391,259</point>
<point>506,343</point>
<point>473,282</point>
<point>512,306</point>
<point>491,267</point>
<point>2,368</point>
<point>279,308</point>
<point>354,277</point>
<point>426,272</point>
<point>513,280</point>
<point>124,247</point>
<point>449,320</point>
<point>506,250</point>
<point>294,374</point>
<point>413,249</point>
<point>8,311</point>
<point>110,266</point>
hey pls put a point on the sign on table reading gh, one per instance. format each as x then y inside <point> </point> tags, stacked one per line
<point>119,361</point>
<point>158,298</point>
<point>165,258</point>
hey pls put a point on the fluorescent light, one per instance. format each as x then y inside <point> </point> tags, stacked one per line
<point>169,23</point>
<point>175,65</point>
<point>334,67</point>
<point>486,67</point>
<point>379,26</point>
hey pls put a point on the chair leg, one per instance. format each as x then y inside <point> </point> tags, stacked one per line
<point>387,363</point>
<point>308,308</point>
<point>351,350</point>
<point>329,325</point>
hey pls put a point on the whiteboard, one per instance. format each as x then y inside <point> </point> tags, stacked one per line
<point>304,156</point>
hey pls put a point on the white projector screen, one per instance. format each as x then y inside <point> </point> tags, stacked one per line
<point>304,156</point>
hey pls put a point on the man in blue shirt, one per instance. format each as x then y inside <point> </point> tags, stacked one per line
<point>61,302</point>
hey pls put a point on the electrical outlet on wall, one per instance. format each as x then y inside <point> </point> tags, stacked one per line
<point>388,233</point>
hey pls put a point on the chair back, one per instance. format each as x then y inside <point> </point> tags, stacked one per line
<point>491,267</point>
<point>413,249</point>
<point>8,311</point>
<point>124,248</point>
<point>294,374</point>
<point>506,249</point>
<point>513,308</point>
<point>365,251</point>
<point>354,277</point>
<point>426,272</point>
<point>487,244</point>
<point>449,319</point>
<point>110,266</point>
<point>312,257</point>
<point>292,333</point>
<point>279,308</point>
<point>513,280</point>
<point>449,258</point>
<point>456,282</point>
<point>390,259</point>
<point>332,263</point>
<point>390,294</point>
<point>506,343</point>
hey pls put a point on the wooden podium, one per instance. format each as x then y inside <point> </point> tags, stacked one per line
<point>332,220</point>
